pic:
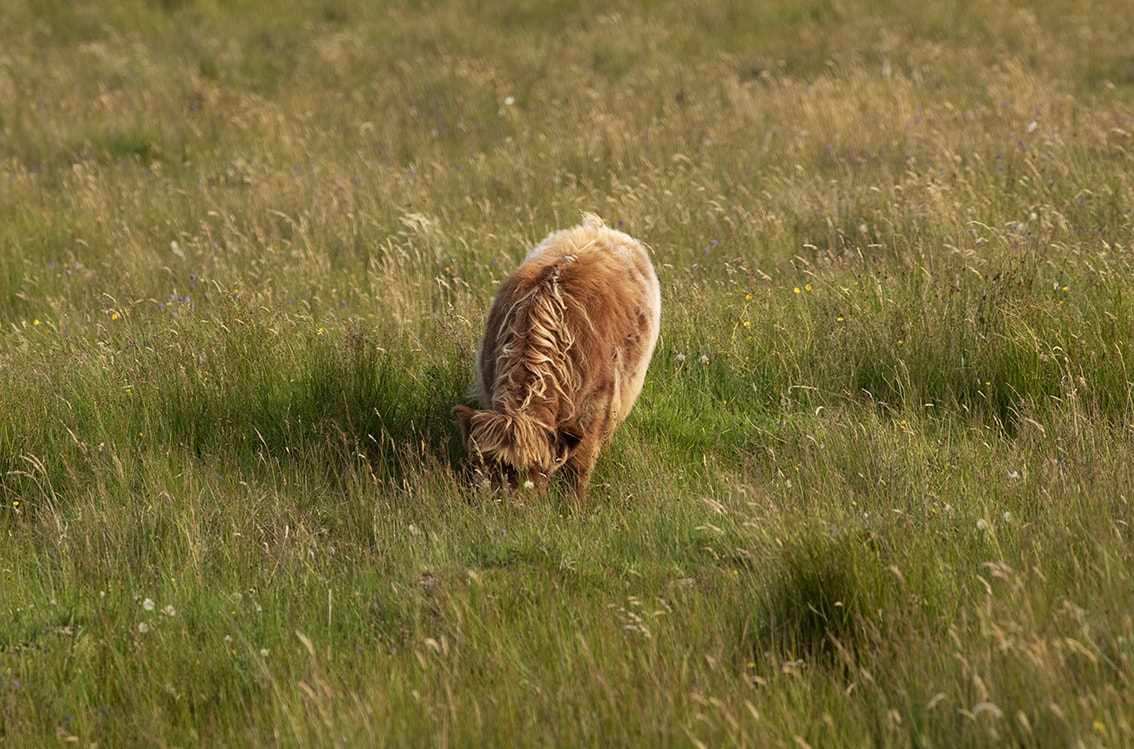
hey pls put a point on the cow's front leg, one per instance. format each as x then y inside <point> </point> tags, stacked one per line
<point>577,470</point>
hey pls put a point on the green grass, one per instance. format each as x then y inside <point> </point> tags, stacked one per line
<point>876,489</point>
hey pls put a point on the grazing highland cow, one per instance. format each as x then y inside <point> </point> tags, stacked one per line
<point>563,359</point>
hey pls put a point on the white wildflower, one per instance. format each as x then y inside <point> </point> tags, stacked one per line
<point>169,610</point>
<point>143,627</point>
<point>148,604</point>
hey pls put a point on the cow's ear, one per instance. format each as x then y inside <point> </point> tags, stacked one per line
<point>463,416</point>
<point>568,438</point>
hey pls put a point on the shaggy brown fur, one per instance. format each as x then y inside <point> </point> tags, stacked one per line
<point>564,356</point>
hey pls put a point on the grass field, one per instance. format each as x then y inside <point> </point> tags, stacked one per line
<point>876,491</point>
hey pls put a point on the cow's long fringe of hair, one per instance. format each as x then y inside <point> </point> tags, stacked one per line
<point>533,366</point>
<point>514,439</point>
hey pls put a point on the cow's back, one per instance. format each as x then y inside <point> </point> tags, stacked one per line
<point>613,309</point>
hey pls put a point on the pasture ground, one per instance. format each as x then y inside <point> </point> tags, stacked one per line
<point>876,491</point>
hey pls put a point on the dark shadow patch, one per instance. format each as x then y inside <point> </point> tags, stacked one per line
<point>357,405</point>
<point>816,606</point>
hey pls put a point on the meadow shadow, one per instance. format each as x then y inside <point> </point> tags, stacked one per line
<point>356,403</point>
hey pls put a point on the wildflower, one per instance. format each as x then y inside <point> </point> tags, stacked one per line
<point>748,297</point>
<point>981,525</point>
<point>747,324</point>
<point>795,290</point>
<point>529,484</point>
<point>143,627</point>
<point>264,652</point>
<point>148,604</point>
<point>169,610</point>
<point>839,318</point>
<point>1007,517</point>
<point>704,359</point>
<point>680,358</point>
<point>807,287</point>
<point>509,100</point>
<point>113,315</point>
